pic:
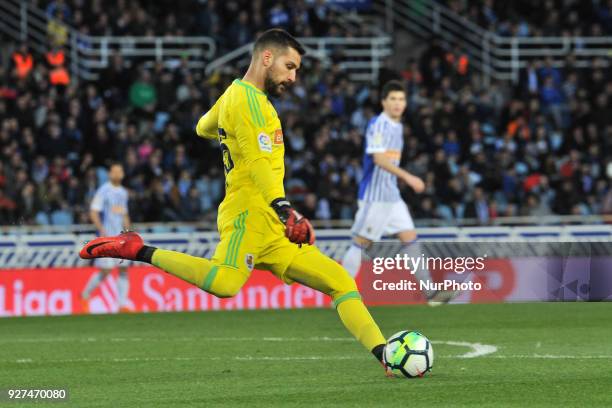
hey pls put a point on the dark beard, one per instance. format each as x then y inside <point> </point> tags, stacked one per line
<point>273,88</point>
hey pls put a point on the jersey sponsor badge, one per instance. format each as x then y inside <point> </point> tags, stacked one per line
<point>118,209</point>
<point>249,260</point>
<point>278,136</point>
<point>265,144</point>
<point>377,140</point>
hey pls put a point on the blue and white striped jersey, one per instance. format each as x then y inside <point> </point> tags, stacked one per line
<point>112,202</point>
<point>383,135</point>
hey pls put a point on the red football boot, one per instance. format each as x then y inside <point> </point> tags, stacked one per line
<point>122,246</point>
<point>388,372</point>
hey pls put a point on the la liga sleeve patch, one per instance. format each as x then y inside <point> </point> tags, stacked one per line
<point>265,144</point>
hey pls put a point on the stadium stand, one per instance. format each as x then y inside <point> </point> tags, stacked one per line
<point>538,19</point>
<point>539,146</point>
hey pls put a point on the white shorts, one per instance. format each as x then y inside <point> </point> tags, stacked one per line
<point>375,219</point>
<point>110,263</point>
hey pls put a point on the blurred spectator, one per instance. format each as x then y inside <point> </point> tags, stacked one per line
<point>23,62</point>
<point>478,208</point>
<point>142,92</point>
<point>57,31</point>
<point>56,61</point>
<point>56,7</point>
<point>8,208</point>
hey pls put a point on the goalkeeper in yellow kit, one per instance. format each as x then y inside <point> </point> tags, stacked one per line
<point>258,226</point>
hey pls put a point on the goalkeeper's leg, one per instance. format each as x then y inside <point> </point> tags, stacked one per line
<point>222,276</point>
<point>312,268</point>
<point>217,279</point>
<point>230,266</point>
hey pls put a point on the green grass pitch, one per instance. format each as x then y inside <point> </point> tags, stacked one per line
<point>549,354</point>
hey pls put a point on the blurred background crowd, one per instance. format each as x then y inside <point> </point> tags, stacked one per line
<point>231,23</point>
<point>538,147</point>
<point>524,18</point>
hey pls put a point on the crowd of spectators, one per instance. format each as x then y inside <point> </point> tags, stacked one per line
<point>525,18</point>
<point>538,147</point>
<point>231,23</point>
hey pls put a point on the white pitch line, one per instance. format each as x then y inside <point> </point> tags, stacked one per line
<point>556,357</point>
<point>171,339</point>
<point>478,349</point>
<point>301,358</point>
<point>276,358</point>
<point>156,359</point>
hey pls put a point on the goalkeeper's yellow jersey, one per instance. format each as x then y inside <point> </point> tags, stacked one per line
<point>249,132</point>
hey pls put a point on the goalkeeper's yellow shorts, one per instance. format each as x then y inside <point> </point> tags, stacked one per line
<point>255,238</point>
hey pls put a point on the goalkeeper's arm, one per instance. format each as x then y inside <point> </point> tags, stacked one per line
<point>297,228</point>
<point>208,124</point>
<point>255,147</point>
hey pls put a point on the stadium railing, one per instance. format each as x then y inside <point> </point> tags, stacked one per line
<point>23,21</point>
<point>360,57</point>
<point>497,57</point>
<point>61,250</point>
<point>207,226</point>
<point>94,53</point>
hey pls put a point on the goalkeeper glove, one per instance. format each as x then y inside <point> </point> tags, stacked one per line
<point>297,228</point>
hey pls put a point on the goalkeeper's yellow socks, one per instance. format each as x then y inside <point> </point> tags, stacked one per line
<point>189,268</point>
<point>360,323</point>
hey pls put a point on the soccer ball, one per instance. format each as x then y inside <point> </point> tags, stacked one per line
<point>408,354</point>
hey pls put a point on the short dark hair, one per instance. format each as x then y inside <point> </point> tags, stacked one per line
<point>277,38</point>
<point>391,86</point>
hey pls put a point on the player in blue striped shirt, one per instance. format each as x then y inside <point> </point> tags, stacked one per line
<point>109,213</point>
<point>381,210</point>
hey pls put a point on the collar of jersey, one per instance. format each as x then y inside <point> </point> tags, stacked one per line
<point>247,84</point>
<point>393,122</point>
